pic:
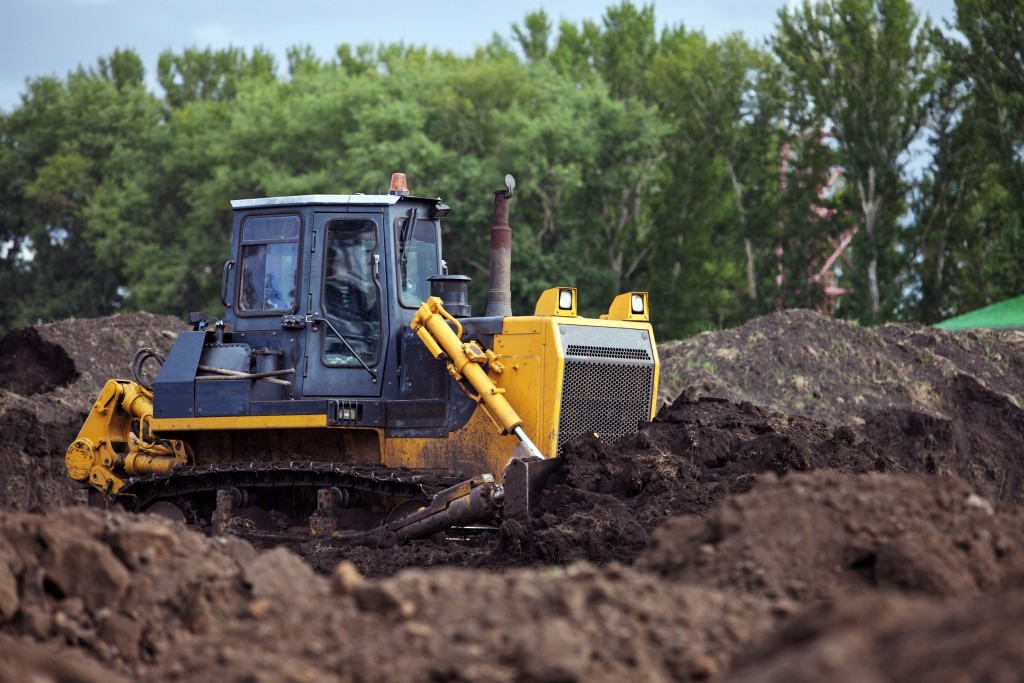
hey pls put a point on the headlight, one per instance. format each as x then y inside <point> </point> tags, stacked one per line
<point>559,301</point>
<point>629,306</point>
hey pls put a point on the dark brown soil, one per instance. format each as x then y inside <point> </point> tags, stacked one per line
<point>31,365</point>
<point>946,402</point>
<point>820,501</point>
<point>892,637</point>
<point>836,535</point>
<point>49,377</point>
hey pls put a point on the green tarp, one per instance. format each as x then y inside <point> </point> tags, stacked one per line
<point>1009,313</point>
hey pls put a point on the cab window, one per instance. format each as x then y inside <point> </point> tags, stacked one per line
<point>417,259</point>
<point>269,269</point>
<point>351,296</point>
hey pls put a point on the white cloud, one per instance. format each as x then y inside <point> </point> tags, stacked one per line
<point>213,34</point>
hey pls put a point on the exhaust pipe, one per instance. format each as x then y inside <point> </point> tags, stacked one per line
<point>499,297</point>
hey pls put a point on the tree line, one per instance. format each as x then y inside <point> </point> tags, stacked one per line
<point>861,160</point>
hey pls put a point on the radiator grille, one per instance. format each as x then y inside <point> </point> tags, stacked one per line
<point>608,383</point>
<point>603,352</point>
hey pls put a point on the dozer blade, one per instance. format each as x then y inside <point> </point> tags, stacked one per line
<point>524,479</point>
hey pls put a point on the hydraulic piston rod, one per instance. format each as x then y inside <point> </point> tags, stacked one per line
<point>466,364</point>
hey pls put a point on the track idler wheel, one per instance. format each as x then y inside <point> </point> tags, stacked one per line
<point>167,510</point>
<point>179,509</point>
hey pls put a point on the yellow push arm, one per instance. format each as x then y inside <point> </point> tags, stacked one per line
<point>465,363</point>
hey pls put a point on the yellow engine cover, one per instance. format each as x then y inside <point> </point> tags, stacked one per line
<point>565,377</point>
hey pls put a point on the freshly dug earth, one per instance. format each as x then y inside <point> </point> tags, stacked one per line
<point>49,377</point>
<point>815,501</point>
<point>157,603</point>
<point>947,402</point>
<point>893,637</point>
<point>833,535</point>
<point>154,602</point>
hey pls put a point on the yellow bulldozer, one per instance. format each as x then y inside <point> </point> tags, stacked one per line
<point>349,392</point>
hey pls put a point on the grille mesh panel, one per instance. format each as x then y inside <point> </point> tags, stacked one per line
<point>606,352</point>
<point>605,397</point>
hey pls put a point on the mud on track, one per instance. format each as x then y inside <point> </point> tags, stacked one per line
<point>819,501</point>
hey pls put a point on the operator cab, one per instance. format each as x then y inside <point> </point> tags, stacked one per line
<point>333,282</point>
<point>320,295</point>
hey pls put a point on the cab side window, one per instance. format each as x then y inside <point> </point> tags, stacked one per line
<point>270,264</point>
<point>417,260</point>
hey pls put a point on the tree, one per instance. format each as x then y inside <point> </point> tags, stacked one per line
<point>534,36</point>
<point>717,193</point>
<point>582,159</point>
<point>867,68</point>
<point>619,51</point>
<point>990,61</point>
<point>209,74</point>
<point>969,240</point>
<point>67,140</point>
<point>123,68</point>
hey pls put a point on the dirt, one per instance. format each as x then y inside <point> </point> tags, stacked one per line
<point>49,377</point>
<point>815,501</point>
<point>947,402</point>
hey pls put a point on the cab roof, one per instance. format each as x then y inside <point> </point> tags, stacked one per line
<point>307,199</point>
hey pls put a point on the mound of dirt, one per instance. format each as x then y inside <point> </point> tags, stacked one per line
<point>606,499</point>
<point>24,660</point>
<point>813,536</point>
<point>892,638</point>
<point>151,600</point>
<point>49,377</point>
<point>31,365</point>
<point>820,502</point>
<point>945,403</point>
<point>801,362</point>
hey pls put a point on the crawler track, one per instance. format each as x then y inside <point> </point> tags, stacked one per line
<point>197,486</point>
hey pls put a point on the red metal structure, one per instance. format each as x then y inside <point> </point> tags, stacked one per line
<point>827,275</point>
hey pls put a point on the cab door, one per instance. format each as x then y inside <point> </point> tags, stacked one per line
<point>348,343</point>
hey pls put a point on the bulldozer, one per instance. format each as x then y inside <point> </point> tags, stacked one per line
<point>348,392</point>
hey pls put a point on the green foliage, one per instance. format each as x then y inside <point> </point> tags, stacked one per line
<point>971,202</point>
<point>208,74</point>
<point>66,140</point>
<point>867,68</point>
<point>715,211</point>
<point>534,36</point>
<point>687,167</point>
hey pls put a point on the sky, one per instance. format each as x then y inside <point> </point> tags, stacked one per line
<point>53,37</point>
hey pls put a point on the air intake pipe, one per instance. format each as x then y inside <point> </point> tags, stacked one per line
<point>499,297</point>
